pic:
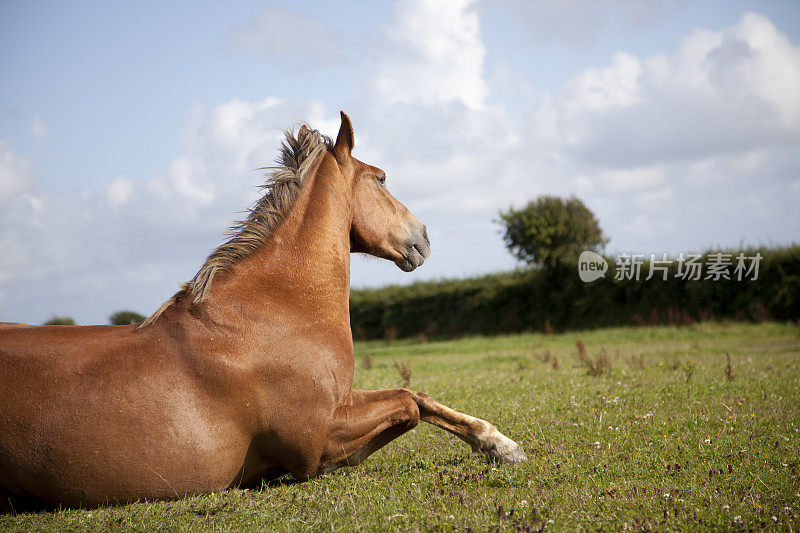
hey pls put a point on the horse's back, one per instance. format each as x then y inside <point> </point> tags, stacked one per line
<point>54,332</point>
<point>49,367</point>
<point>60,346</point>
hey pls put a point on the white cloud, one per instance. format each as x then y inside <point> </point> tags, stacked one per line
<point>39,128</point>
<point>601,89</point>
<point>632,180</point>
<point>14,173</point>
<point>673,152</point>
<point>289,37</point>
<point>185,177</point>
<point>577,22</point>
<point>119,191</point>
<point>722,92</point>
<point>660,147</point>
<point>136,241</point>
<point>434,54</point>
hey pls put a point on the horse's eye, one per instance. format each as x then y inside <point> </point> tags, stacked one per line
<point>382,179</point>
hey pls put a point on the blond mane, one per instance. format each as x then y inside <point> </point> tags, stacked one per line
<point>297,155</point>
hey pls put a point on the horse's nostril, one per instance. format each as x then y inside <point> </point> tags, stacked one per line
<point>425,234</point>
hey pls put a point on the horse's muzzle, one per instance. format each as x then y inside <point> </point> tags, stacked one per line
<point>417,250</point>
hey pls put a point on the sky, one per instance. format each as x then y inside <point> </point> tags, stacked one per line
<point>130,132</point>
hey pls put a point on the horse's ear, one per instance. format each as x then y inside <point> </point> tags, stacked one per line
<point>344,140</point>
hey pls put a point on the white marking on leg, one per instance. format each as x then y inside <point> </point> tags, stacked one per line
<point>496,447</point>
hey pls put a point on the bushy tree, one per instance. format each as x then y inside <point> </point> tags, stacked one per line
<point>549,231</point>
<point>60,321</point>
<point>124,318</point>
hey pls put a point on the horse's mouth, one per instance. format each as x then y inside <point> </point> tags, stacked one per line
<point>412,263</point>
<point>414,255</point>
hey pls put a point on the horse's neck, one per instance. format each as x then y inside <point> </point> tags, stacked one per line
<point>306,262</point>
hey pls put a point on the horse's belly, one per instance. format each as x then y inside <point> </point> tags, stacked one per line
<point>113,471</point>
<point>92,453</point>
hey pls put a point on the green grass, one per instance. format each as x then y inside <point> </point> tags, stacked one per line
<point>663,440</point>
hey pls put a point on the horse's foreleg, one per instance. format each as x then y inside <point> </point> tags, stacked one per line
<point>367,421</point>
<point>371,419</point>
<point>482,436</point>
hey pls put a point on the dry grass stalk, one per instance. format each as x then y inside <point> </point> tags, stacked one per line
<point>637,361</point>
<point>728,367</point>
<point>581,349</point>
<point>546,357</point>
<point>598,364</point>
<point>366,361</point>
<point>404,369</point>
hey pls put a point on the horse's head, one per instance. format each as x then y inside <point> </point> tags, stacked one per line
<point>381,225</point>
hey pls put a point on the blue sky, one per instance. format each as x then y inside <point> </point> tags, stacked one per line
<point>129,131</point>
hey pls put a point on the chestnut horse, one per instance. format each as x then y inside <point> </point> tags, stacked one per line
<point>244,375</point>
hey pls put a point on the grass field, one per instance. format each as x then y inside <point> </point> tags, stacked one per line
<point>670,437</point>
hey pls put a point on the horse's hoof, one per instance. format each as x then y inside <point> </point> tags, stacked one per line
<point>500,449</point>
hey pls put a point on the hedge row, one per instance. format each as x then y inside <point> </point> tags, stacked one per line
<point>557,300</point>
